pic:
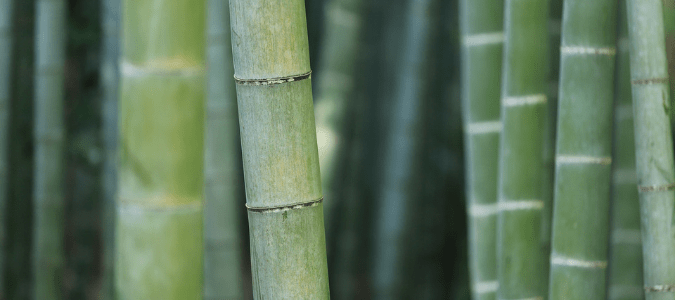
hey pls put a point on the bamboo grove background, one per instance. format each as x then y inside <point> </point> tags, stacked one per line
<point>419,200</point>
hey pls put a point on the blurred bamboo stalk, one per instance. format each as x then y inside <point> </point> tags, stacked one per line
<point>279,149</point>
<point>222,255</point>
<point>48,248</point>
<point>6,44</point>
<point>625,264</point>
<point>482,40</point>
<point>159,241</point>
<point>521,257</point>
<point>653,145</point>
<point>583,152</point>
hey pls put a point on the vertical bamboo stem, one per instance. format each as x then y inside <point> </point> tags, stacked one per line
<point>521,257</point>
<point>5,82</point>
<point>278,137</point>
<point>159,239</point>
<point>222,265</point>
<point>653,145</point>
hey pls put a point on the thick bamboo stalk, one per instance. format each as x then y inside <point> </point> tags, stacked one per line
<point>222,259</point>
<point>625,255</point>
<point>482,40</point>
<point>5,83</point>
<point>159,241</point>
<point>653,145</point>
<point>110,19</point>
<point>400,184</point>
<point>583,151</point>
<point>48,251</point>
<point>281,161</point>
<point>521,258</point>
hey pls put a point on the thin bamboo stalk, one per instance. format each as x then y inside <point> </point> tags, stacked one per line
<point>222,263</point>
<point>521,258</point>
<point>6,44</point>
<point>625,255</point>
<point>653,145</point>
<point>583,151</point>
<point>482,40</point>
<point>159,239</point>
<point>48,251</point>
<point>281,161</point>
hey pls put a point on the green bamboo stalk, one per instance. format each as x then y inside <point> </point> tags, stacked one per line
<point>159,239</point>
<point>281,161</point>
<point>110,19</point>
<point>5,83</point>
<point>583,151</point>
<point>482,36</point>
<point>335,93</point>
<point>653,145</point>
<point>48,249</point>
<point>521,263</point>
<point>222,266</point>
<point>625,255</point>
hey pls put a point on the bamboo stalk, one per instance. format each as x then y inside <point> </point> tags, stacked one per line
<point>482,38</point>
<point>521,258</point>
<point>222,265</point>
<point>653,145</point>
<point>583,152</point>
<point>625,255</point>
<point>159,239</point>
<point>6,43</point>
<point>278,137</point>
<point>48,250</point>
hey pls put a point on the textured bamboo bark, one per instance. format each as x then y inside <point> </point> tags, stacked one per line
<point>335,92</point>
<point>222,263</point>
<point>521,257</point>
<point>279,149</point>
<point>400,185</point>
<point>653,145</point>
<point>159,241</point>
<point>110,18</point>
<point>625,259</point>
<point>482,38</point>
<point>5,84</point>
<point>583,152</point>
<point>48,251</point>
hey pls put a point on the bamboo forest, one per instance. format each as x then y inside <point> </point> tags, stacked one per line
<point>337,149</point>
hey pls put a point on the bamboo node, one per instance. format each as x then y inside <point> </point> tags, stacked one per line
<point>483,210</point>
<point>572,262</point>
<point>580,159</point>
<point>509,101</point>
<point>660,288</point>
<point>484,127</point>
<point>663,80</point>
<point>482,39</point>
<point>511,205</point>
<point>657,188</point>
<point>282,208</point>
<point>582,50</point>
<point>273,81</point>
<point>486,287</point>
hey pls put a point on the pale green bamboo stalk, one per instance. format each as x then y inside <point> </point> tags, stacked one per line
<point>583,151</point>
<point>335,92</point>
<point>6,45</point>
<point>222,266</point>
<point>625,255</point>
<point>159,241</point>
<point>278,137</point>
<point>521,258</point>
<point>653,145</point>
<point>482,40</point>
<point>48,252</point>
<point>110,19</point>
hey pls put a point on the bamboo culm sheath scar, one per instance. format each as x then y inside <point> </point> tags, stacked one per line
<point>653,145</point>
<point>279,149</point>
<point>159,242</point>
<point>482,41</point>
<point>522,258</point>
